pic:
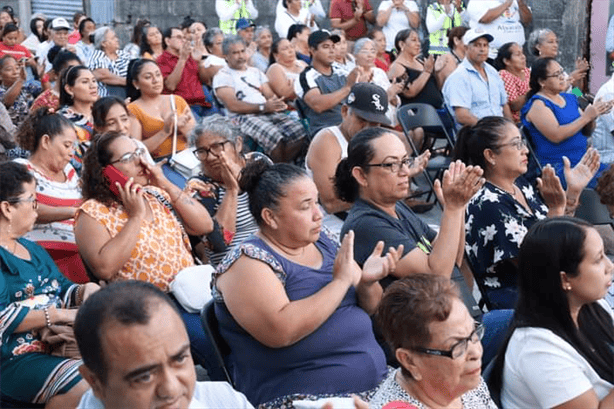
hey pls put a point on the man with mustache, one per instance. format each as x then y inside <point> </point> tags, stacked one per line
<point>475,90</point>
<point>136,354</point>
<point>249,99</point>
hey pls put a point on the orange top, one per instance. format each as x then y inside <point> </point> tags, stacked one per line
<point>162,250</point>
<point>152,125</point>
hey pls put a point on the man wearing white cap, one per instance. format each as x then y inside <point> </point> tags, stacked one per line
<point>475,90</point>
<point>59,33</point>
<point>503,19</point>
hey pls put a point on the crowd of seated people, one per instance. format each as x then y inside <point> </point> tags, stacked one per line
<point>265,172</point>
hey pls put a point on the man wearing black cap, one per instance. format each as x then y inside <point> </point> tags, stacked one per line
<point>321,89</point>
<point>366,106</point>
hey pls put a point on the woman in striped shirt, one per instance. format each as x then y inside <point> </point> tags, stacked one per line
<point>218,146</point>
<point>108,63</point>
<point>51,139</point>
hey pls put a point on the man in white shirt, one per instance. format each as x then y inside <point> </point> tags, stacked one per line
<point>136,353</point>
<point>396,15</point>
<point>246,94</point>
<point>502,19</point>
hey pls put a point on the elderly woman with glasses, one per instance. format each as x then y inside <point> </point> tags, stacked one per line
<point>218,146</point>
<point>558,127</point>
<point>33,295</point>
<point>437,344</point>
<point>499,215</point>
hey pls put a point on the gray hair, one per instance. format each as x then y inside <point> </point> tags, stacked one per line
<point>536,38</point>
<point>99,35</point>
<point>210,34</point>
<point>230,41</point>
<point>216,125</point>
<point>260,30</point>
<point>359,45</point>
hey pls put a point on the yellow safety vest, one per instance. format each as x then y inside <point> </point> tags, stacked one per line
<point>438,40</point>
<point>228,26</point>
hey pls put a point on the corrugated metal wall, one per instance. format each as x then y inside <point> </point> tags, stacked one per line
<point>57,8</point>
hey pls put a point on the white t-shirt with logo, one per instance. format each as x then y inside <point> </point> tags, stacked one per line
<point>505,28</point>
<point>247,84</point>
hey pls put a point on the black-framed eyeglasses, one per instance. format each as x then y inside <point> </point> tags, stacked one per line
<point>130,156</point>
<point>31,200</point>
<point>393,167</point>
<point>460,348</point>
<point>559,73</point>
<point>519,144</point>
<point>215,149</point>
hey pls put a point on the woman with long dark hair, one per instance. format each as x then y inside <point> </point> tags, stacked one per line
<point>559,353</point>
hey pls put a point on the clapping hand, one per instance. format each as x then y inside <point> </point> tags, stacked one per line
<point>419,163</point>
<point>377,266</point>
<point>345,267</point>
<point>550,188</point>
<point>579,176</point>
<point>458,185</point>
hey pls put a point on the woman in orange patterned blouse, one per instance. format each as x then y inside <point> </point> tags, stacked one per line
<point>135,235</point>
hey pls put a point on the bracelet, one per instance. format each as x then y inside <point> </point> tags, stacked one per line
<point>177,198</point>
<point>47,317</point>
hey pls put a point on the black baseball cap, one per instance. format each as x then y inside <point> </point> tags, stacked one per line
<point>320,36</point>
<point>369,102</point>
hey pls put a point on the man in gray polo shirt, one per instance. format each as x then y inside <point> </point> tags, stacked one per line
<point>321,89</point>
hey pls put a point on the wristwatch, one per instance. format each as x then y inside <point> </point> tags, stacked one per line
<point>261,108</point>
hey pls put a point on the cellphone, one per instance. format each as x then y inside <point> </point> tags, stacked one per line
<point>112,174</point>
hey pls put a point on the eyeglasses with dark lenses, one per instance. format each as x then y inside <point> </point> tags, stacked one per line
<point>130,156</point>
<point>460,348</point>
<point>215,149</point>
<point>393,167</point>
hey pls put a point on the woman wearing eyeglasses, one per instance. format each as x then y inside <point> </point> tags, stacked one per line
<point>375,177</point>
<point>437,344</point>
<point>559,352</point>
<point>218,146</point>
<point>558,127</point>
<point>500,214</point>
<point>33,295</point>
<point>134,235</point>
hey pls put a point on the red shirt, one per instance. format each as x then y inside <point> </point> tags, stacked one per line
<point>18,51</point>
<point>74,37</point>
<point>344,9</point>
<point>189,86</point>
<point>383,64</point>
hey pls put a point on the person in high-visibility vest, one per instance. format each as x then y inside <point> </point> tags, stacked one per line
<point>229,11</point>
<point>441,17</point>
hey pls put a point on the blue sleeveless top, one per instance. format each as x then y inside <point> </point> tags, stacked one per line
<point>341,356</point>
<point>573,147</point>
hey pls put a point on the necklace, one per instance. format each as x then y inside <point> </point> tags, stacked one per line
<point>512,193</point>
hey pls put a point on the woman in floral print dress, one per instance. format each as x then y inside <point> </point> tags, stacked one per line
<point>33,295</point>
<point>500,214</point>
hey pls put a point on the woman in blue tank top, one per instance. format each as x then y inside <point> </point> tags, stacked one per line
<point>293,308</point>
<point>555,122</point>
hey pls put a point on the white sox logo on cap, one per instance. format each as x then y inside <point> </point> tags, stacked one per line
<point>376,101</point>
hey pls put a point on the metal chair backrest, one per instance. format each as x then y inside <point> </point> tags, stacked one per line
<point>425,116</point>
<point>221,349</point>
